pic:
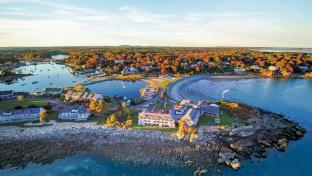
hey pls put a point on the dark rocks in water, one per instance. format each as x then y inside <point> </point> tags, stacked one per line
<point>282,144</point>
<point>200,172</point>
<point>265,143</point>
<point>18,153</point>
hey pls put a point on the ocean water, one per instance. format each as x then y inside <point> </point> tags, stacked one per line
<point>90,165</point>
<point>287,50</point>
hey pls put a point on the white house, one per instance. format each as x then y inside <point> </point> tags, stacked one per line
<point>239,70</point>
<point>273,68</point>
<point>77,114</point>
<point>20,115</point>
<point>7,94</point>
<point>255,67</point>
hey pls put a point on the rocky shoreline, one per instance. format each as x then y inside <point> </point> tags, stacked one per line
<point>20,146</point>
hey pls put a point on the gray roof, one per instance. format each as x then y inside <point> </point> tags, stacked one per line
<point>81,109</point>
<point>194,114</point>
<point>53,89</point>
<point>23,111</point>
<point>6,92</point>
<point>210,109</point>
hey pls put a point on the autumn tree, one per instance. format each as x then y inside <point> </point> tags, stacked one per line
<point>96,106</point>
<point>112,121</point>
<point>79,87</point>
<point>185,132</point>
<point>20,98</point>
<point>42,116</point>
<point>308,75</point>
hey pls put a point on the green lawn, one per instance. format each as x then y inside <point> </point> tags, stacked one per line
<point>155,128</point>
<point>7,105</point>
<point>225,118</point>
<point>129,77</point>
<point>158,105</point>
<point>164,82</point>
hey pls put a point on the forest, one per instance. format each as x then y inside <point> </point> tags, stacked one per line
<point>170,60</point>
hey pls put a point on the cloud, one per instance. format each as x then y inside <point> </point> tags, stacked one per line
<point>51,23</point>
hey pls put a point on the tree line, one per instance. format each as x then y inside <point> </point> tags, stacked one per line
<point>174,60</point>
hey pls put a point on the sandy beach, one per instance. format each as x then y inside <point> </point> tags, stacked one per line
<point>174,89</point>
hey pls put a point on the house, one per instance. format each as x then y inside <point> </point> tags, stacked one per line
<point>190,112</point>
<point>161,118</point>
<point>96,96</point>
<point>53,91</point>
<point>117,61</point>
<point>68,95</point>
<point>303,68</point>
<point>149,92</point>
<point>16,94</point>
<point>131,70</point>
<point>20,115</point>
<point>255,67</point>
<point>273,68</point>
<point>7,94</point>
<point>10,94</point>
<point>239,70</point>
<point>85,96</point>
<point>226,63</point>
<point>76,114</point>
<point>77,95</point>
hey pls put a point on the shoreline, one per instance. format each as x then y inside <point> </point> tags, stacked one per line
<point>174,89</point>
<point>20,146</point>
<point>13,77</point>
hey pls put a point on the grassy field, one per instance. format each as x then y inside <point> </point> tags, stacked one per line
<point>165,82</point>
<point>128,77</point>
<point>155,128</point>
<point>7,105</point>
<point>225,118</point>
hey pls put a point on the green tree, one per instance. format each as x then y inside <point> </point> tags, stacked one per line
<point>124,105</point>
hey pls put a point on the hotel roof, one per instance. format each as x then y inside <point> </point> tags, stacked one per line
<point>210,109</point>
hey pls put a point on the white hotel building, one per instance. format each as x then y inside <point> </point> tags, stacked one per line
<point>156,118</point>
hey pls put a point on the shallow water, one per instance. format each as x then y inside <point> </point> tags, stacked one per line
<point>58,75</point>
<point>128,89</point>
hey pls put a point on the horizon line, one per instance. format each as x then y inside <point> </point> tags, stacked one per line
<point>151,46</point>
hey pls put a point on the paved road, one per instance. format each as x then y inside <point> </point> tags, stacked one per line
<point>154,99</point>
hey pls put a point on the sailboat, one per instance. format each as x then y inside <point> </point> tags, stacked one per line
<point>123,84</point>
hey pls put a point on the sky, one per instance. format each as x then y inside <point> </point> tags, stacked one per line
<point>202,23</point>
